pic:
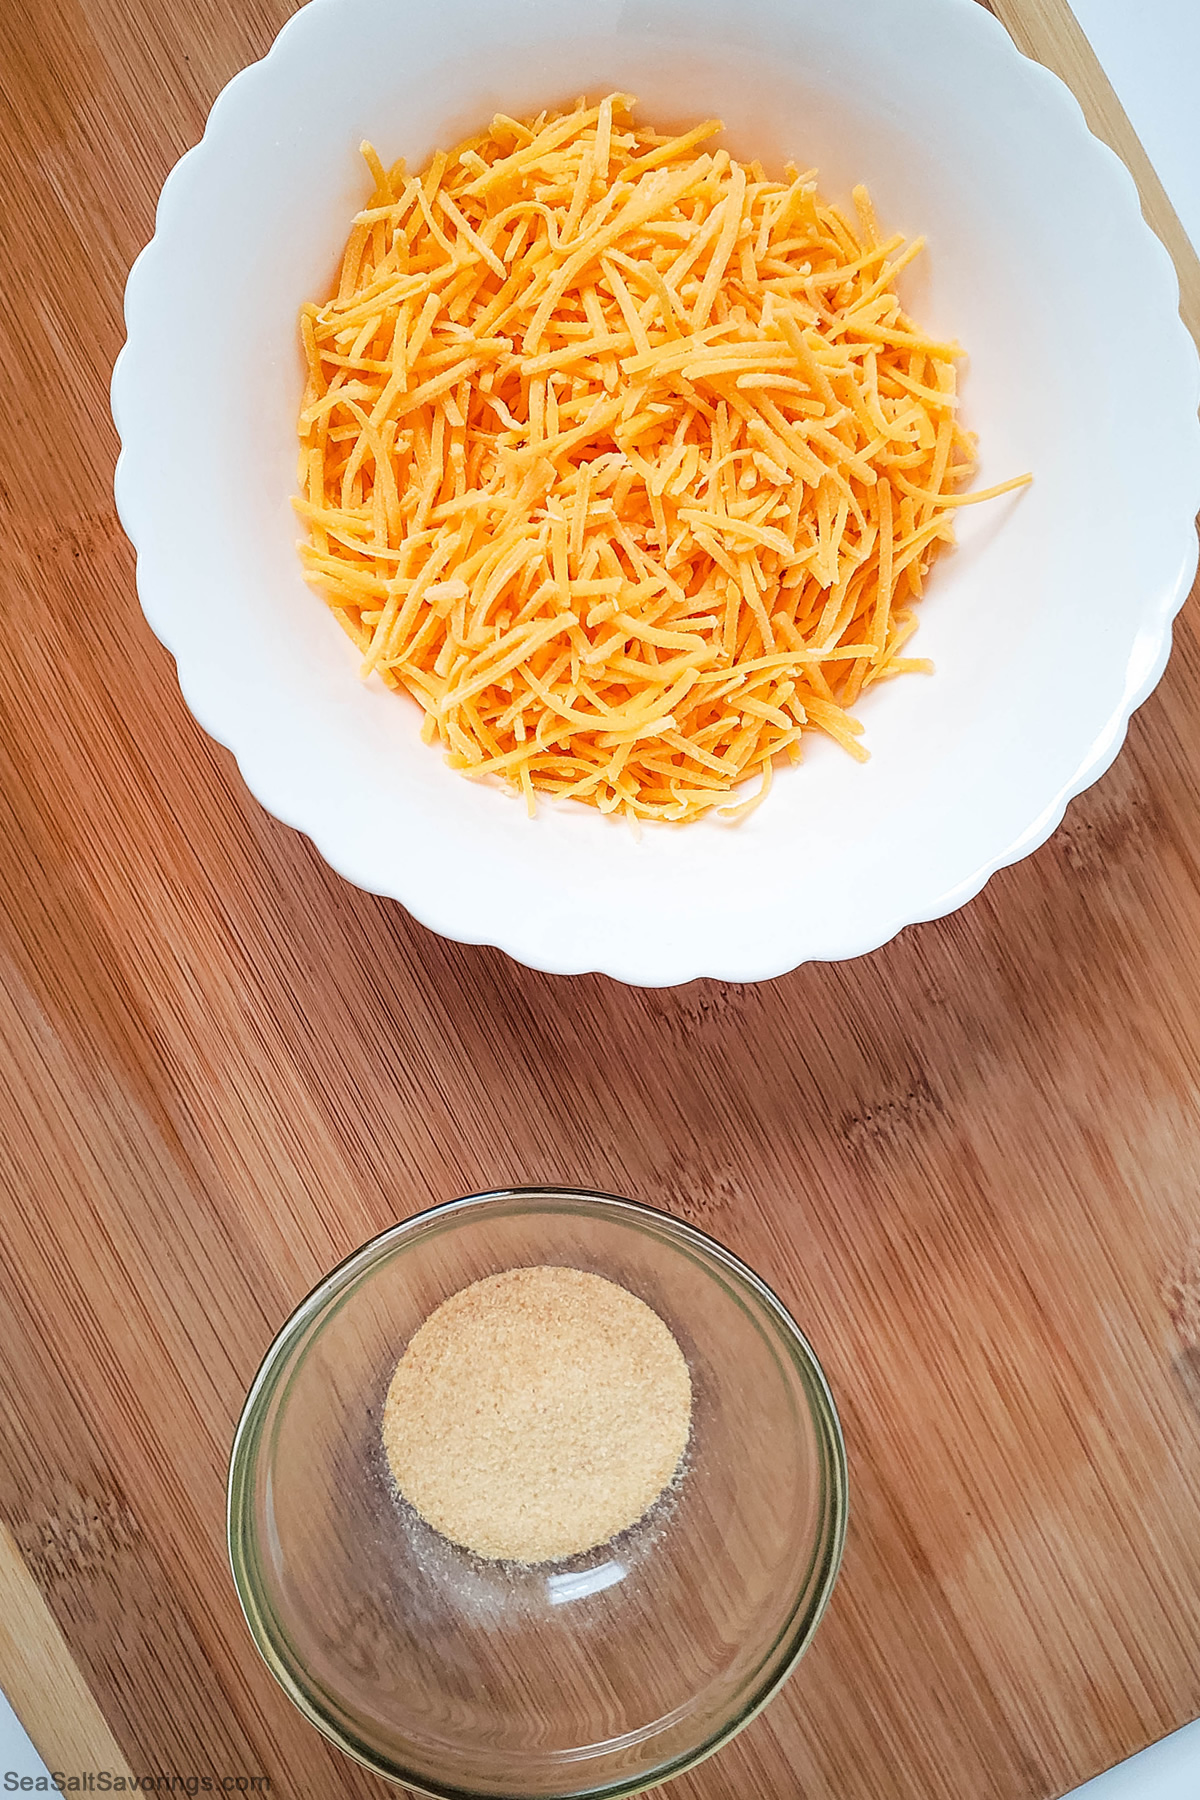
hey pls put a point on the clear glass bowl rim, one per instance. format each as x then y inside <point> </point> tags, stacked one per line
<point>247,1442</point>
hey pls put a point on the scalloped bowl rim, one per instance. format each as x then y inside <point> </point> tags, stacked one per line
<point>748,958</point>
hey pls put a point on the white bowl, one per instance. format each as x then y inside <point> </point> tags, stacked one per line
<point>1048,625</point>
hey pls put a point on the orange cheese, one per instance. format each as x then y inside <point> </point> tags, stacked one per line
<point>623,460</point>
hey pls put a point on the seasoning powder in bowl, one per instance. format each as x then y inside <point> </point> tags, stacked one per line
<point>537,1413</point>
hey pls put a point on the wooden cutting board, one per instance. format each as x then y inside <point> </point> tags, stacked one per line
<point>969,1162</point>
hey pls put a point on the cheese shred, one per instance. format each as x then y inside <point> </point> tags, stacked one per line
<point>623,460</point>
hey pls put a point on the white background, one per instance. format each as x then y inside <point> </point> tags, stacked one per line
<point>1150,50</point>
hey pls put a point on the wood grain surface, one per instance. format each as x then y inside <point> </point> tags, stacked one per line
<point>968,1162</point>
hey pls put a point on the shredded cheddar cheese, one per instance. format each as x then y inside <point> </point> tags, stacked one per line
<point>623,460</point>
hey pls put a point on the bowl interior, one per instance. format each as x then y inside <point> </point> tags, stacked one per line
<point>1042,627</point>
<point>599,1673</point>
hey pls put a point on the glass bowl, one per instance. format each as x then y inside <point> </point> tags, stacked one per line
<point>600,1675</point>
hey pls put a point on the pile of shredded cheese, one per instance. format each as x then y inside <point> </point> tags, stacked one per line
<point>622,459</point>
